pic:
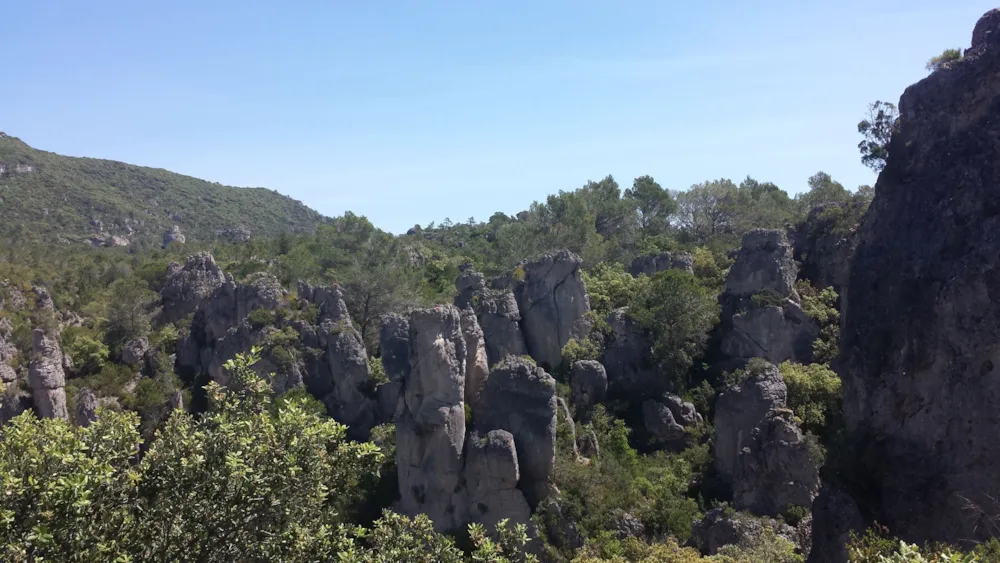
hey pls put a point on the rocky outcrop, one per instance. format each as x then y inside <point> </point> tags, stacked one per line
<point>520,397</point>
<point>134,351</point>
<point>492,475</point>
<point>86,408</point>
<point>741,409</point>
<point>476,366</point>
<point>8,352</point>
<point>552,300</point>
<point>776,470</point>
<point>189,285</point>
<point>920,343</point>
<point>627,354</point>
<point>497,312</point>
<point>761,315</point>
<point>824,244</point>
<point>588,383</point>
<point>835,516</point>
<point>236,235</point>
<point>394,342</point>
<point>454,474</point>
<point>46,376</point>
<point>430,433</point>
<point>173,235</point>
<point>651,264</point>
<point>667,421</point>
<point>722,526</point>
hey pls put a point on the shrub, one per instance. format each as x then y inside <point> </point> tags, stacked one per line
<point>814,395</point>
<point>89,355</point>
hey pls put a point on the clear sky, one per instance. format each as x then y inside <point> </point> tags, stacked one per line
<point>412,111</point>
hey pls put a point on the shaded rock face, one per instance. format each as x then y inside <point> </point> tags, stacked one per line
<point>46,376</point>
<point>776,470</point>
<point>823,251</point>
<point>920,342</point>
<point>134,351</point>
<point>521,398</point>
<point>86,408</point>
<point>476,366</point>
<point>189,285</point>
<point>761,316</point>
<point>654,263</point>
<point>492,475</point>
<point>552,300</point>
<point>497,313</point>
<point>719,528</point>
<point>835,516</point>
<point>667,421</point>
<point>626,356</point>
<point>589,384</point>
<point>8,352</point>
<point>394,341</point>
<point>741,409</point>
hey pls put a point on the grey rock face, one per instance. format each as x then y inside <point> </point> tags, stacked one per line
<point>719,528</point>
<point>626,358</point>
<point>589,384</point>
<point>824,251</point>
<point>835,516</point>
<point>776,470</point>
<point>46,376</point>
<point>627,525</point>
<point>684,413</point>
<point>173,235</point>
<point>497,313</point>
<point>394,341</point>
<point>86,407</point>
<point>134,352</point>
<point>476,366</point>
<point>552,300</point>
<point>430,434</point>
<point>655,263</point>
<point>520,397</point>
<point>739,410</point>
<point>774,328</point>
<point>8,351</point>
<point>189,285</point>
<point>667,421</point>
<point>919,344</point>
<point>492,475</point>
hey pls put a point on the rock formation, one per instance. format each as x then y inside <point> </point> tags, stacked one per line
<point>835,516</point>
<point>552,300</point>
<point>8,352</point>
<point>173,235</point>
<point>776,470</point>
<point>493,468</point>
<point>654,263</point>
<point>46,376</point>
<point>824,246</point>
<point>188,285</point>
<point>497,312</point>
<point>86,408</point>
<point>740,409</point>
<point>668,420</point>
<point>761,316</point>
<point>134,351</point>
<point>476,366</point>
<point>921,334</point>
<point>627,354</point>
<point>589,384</point>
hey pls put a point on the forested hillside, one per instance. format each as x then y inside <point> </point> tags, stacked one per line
<point>52,198</point>
<point>622,372</point>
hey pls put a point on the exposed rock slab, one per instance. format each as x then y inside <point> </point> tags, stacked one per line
<point>497,312</point>
<point>552,300</point>
<point>741,409</point>
<point>651,264</point>
<point>46,376</point>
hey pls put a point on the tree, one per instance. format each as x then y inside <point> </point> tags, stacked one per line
<point>653,205</point>
<point>877,128</point>
<point>679,313</point>
<point>823,189</point>
<point>708,210</point>
<point>946,56</point>
<point>129,310</point>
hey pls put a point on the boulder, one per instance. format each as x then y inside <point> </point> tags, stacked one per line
<point>173,235</point>
<point>834,516</point>
<point>741,409</point>
<point>492,475</point>
<point>684,412</point>
<point>776,470</point>
<point>86,407</point>
<point>667,421</point>
<point>552,300</point>
<point>764,262</point>
<point>46,376</point>
<point>134,351</point>
<point>651,264</point>
<point>588,383</point>
<point>497,312</point>
<point>520,397</point>
<point>920,343</point>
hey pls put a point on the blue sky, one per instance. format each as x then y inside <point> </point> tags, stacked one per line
<point>413,111</point>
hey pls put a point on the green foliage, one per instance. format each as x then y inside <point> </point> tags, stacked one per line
<point>769,548</point>
<point>89,354</point>
<point>767,297</point>
<point>679,313</point>
<point>260,318</point>
<point>302,399</point>
<point>378,371</point>
<point>754,368</point>
<point>877,546</point>
<point>609,287</point>
<point>822,307</point>
<point>946,56</point>
<point>877,127</point>
<point>129,310</point>
<point>586,349</point>
<point>814,395</point>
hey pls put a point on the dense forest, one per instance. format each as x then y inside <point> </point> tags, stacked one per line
<point>250,398</point>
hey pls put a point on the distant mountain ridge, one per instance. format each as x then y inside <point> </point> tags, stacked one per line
<point>49,197</point>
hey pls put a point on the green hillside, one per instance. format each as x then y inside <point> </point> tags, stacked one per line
<point>53,198</point>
